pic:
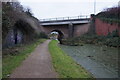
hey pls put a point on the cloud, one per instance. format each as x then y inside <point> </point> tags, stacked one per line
<point>69,0</point>
<point>63,8</point>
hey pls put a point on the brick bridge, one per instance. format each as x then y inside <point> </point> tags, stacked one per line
<point>66,26</point>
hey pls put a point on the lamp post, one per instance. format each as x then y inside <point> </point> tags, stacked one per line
<point>94,6</point>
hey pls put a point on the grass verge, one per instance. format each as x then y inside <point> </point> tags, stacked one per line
<point>64,65</point>
<point>10,62</point>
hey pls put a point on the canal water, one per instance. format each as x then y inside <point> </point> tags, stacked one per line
<point>100,61</point>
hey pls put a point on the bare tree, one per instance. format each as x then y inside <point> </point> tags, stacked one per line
<point>29,12</point>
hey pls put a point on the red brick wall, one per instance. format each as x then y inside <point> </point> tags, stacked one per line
<point>78,29</point>
<point>103,28</point>
<point>81,29</point>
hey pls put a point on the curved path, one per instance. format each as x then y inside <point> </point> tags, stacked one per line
<point>37,65</point>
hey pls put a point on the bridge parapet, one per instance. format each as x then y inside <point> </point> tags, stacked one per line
<point>66,18</point>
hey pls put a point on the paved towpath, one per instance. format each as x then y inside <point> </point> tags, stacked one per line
<point>37,65</point>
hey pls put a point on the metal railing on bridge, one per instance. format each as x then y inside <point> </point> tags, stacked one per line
<point>66,18</point>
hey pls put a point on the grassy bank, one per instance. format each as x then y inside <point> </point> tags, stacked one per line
<point>64,64</point>
<point>10,62</point>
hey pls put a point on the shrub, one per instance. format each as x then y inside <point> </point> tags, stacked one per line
<point>43,35</point>
<point>113,34</point>
<point>110,15</point>
<point>111,40</point>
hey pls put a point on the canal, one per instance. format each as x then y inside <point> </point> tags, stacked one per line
<point>100,61</point>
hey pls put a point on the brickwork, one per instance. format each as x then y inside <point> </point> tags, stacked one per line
<point>68,30</point>
<point>62,28</point>
<point>81,29</point>
<point>103,28</point>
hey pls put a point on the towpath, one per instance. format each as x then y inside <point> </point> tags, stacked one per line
<point>37,65</point>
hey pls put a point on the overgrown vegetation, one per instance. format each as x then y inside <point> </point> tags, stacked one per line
<point>112,40</point>
<point>43,35</point>
<point>64,64</point>
<point>14,56</point>
<point>110,15</point>
<point>109,20</point>
<point>26,23</point>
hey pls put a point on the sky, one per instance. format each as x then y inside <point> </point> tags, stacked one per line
<point>43,9</point>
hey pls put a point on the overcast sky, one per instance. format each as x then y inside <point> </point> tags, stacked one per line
<point>63,8</point>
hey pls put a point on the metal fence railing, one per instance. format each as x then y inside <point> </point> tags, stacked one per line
<point>67,18</point>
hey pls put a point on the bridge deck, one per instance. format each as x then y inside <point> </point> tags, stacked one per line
<point>62,22</point>
<point>66,20</point>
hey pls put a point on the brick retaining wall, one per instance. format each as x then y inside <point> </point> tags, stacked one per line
<point>103,28</point>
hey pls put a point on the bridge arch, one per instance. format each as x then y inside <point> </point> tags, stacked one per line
<point>61,29</point>
<point>60,33</point>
